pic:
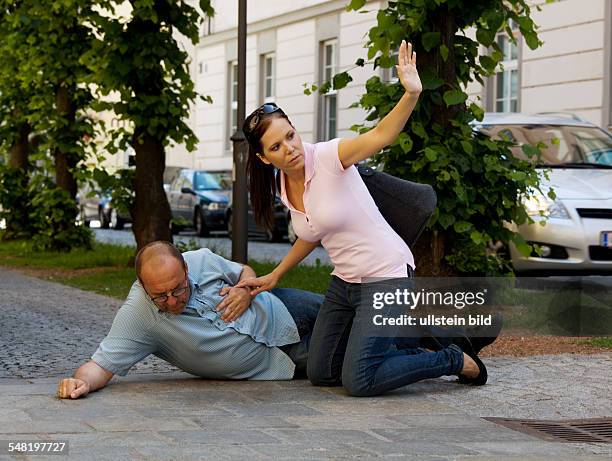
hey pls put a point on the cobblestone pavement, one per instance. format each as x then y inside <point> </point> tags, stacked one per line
<point>258,250</point>
<point>157,412</point>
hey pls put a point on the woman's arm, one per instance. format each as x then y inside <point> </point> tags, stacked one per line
<point>351,151</point>
<point>299,250</point>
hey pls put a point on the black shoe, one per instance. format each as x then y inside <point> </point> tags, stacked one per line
<point>466,346</point>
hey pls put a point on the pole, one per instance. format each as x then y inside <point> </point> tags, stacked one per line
<point>239,190</point>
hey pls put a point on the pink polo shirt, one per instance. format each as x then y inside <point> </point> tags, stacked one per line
<point>341,213</point>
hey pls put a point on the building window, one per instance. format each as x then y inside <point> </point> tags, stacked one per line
<point>507,77</point>
<point>329,100</point>
<point>233,100</point>
<point>268,77</point>
<point>206,27</point>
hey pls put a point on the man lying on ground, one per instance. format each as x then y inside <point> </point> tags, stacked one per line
<point>185,309</point>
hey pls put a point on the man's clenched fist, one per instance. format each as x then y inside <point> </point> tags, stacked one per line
<point>72,388</point>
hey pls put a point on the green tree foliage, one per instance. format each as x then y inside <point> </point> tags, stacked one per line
<point>15,130</point>
<point>478,181</point>
<point>139,59</point>
<point>47,95</point>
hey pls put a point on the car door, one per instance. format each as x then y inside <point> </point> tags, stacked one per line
<point>186,200</point>
<point>174,196</point>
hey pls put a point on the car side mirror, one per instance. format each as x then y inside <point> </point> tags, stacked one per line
<point>187,190</point>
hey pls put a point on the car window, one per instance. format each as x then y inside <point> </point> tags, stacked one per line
<point>205,181</point>
<point>224,178</point>
<point>564,144</point>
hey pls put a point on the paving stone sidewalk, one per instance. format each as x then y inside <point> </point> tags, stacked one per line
<point>158,412</point>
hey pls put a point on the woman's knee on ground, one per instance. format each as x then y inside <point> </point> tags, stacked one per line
<point>320,377</point>
<point>358,384</point>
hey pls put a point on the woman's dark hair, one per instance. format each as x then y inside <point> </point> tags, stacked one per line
<point>263,186</point>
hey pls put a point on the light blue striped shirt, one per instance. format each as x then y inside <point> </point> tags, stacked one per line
<point>198,341</point>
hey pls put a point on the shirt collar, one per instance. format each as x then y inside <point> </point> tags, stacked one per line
<point>308,173</point>
<point>193,286</point>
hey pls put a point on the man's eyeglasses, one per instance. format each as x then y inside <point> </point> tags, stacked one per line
<point>174,293</point>
<point>253,120</point>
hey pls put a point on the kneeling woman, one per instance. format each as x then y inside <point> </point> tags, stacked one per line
<point>330,204</point>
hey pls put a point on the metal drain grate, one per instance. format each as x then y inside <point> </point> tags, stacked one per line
<point>577,430</point>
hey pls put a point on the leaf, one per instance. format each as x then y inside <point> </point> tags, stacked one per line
<point>341,80</point>
<point>446,220</point>
<point>530,151</point>
<point>206,7</point>
<point>430,40</point>
<point>431,154</point>
<point>360,62</point>
<point>523,247</point>
<point>405,142</point>
<point>477,111</point>
<point>462,226</point>
<point>452,97</point>
<point>444,52</point>
<point>355,5</point>
<point>476,237</point>
<point>467,147</point>
<point>418,129</point>
<point>430,81</point>
<point>488,63</point>
<point>485,36</point>
<point>531,39</point>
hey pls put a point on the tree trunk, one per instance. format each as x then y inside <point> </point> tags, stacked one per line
<point>431,248</point>
<point>17,178</point>
<point>18,153</point>
<point>151,213</point>
<point>65,160</point>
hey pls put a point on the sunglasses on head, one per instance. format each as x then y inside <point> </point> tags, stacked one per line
<point>253,120</point>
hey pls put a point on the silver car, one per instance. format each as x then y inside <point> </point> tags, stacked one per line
<point>578,232</point>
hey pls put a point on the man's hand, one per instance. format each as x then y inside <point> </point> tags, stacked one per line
<point>236,301</point>
<point>72,388</point>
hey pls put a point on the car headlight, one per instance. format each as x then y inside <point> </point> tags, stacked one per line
<point>213,206</point>
<point>538,205</point>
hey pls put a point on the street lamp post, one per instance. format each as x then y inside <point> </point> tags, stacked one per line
<point>239,190</point>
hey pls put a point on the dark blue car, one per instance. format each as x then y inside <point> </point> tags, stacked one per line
<point>197,200</point>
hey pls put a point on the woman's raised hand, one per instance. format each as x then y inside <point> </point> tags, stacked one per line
<point>259,284</point>
<point>406,69</point>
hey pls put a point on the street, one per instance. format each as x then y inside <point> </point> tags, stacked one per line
<point>220,244</point>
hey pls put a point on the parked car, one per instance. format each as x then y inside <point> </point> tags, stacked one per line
<point>255,230</point>
<point>97,205</point>
<point>578,232</point>
<point>197,200</point>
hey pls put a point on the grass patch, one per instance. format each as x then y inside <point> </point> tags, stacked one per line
<point>107,269</point>
<point>21,254</point>
<point>598,342</point>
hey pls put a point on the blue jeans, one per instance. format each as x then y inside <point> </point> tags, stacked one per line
<point>353,354</point>
<point>304,307</point>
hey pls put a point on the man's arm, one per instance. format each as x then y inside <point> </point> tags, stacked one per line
<point>89,377</point>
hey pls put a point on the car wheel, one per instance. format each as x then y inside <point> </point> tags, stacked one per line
<point>115,221</point>
<point>290,232</point>
<point>103,219</point>
<point>200,225</point>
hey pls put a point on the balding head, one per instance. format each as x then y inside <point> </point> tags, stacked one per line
<point>156,255</point>
<point>161,270</point>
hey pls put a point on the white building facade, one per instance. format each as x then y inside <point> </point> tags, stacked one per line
<point>290,44</point>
